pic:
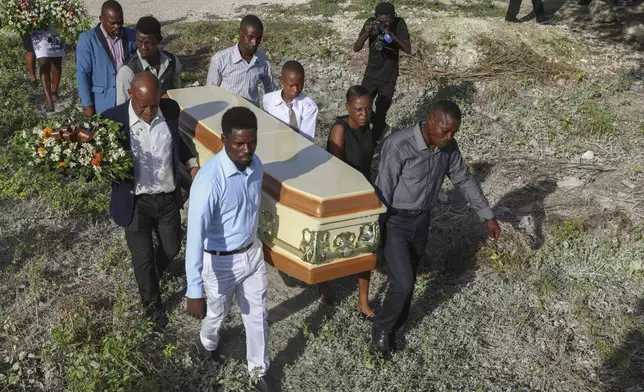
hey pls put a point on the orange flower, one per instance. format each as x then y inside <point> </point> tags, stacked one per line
<point>48,132</point>
<point>98,157</point>
<point>62,164</point>
<point>42,151</point>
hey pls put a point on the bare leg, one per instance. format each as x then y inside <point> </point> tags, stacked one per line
<point>45,78</point>
<point>31,65</point>
<point>56,71</point>
<point>325,292</point>
<point>363,294</point>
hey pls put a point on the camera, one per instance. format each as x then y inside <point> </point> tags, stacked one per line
<point>378,32</point>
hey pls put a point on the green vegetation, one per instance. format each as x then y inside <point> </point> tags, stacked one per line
<point>565,312</point>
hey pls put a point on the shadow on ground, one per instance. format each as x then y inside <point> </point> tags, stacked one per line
<point>624,369</point>
<point>613,29</point>
<point>457,234</point>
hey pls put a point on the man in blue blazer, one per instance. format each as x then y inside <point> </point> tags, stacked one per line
<point>151,199</point>
<point>100,53</point>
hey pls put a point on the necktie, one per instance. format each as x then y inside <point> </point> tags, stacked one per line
<point>292,120</point>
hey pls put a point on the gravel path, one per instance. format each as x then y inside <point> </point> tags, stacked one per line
<point>173,10</point>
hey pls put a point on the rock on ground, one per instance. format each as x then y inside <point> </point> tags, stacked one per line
<point>601,12</point>
<point>635,32</point>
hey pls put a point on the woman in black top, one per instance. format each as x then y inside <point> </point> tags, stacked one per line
<point>351,140</point>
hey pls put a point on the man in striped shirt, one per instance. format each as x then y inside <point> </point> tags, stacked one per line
<point>240,68</point>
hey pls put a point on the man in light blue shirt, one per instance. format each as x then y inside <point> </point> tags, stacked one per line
<point>223,255</point>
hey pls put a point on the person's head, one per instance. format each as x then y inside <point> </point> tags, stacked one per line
<point>112,18</point>
<point>292,80</point>
<point>385,13</point>
<point>251,30</point>
<point>145,95</point>
<point>239,135</point>
<point>442,124</point>
<point>359,105</point>
<point>148,37</point>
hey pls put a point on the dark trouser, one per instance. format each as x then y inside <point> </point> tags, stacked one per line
<point>385,94</point>
<point>158,213</point>
<point>515,5</point>
<point>405,241</point>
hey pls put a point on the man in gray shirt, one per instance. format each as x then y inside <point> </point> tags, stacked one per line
<point>413,165</point>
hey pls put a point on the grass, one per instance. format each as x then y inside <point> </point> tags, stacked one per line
<point>563,313</point>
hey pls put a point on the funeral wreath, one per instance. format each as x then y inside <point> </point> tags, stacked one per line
<point>69,17</point>
<point>77,146</point>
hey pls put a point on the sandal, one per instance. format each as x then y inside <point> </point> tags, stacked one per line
<point>368,317</point>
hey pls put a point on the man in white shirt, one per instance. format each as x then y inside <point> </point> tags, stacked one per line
<point>150,200</point>
<point>240,68</point>
<point>290,105</point>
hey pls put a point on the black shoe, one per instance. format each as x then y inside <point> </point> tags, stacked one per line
<point>262,385</point>
<point>380,343</point>
<point>203,353</point>
<point>157,315</point>
<point>545,19</point>
<point>397,339</point>
<point>512,19</point>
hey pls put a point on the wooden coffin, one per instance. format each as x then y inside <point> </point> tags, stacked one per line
<point>319,216</point>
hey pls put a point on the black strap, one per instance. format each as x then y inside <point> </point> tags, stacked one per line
<point>228,253</point>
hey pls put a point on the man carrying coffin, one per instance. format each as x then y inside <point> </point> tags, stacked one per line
<point>413,164</point>
<point>224,257</point>
<point>151,199</point>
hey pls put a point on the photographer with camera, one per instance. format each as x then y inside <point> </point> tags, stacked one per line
<point>387,34</point>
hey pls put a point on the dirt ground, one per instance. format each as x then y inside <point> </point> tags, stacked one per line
<point>552,129</point>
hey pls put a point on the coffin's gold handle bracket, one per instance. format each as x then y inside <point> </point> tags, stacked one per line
<point>369,237</point>
<point>266,225</point>
<point>314,246</point>
<point>344,244</point>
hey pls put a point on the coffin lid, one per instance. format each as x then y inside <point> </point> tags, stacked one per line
<point>297,173</point>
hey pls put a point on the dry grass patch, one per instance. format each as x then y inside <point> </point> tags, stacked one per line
<point>498,59</point>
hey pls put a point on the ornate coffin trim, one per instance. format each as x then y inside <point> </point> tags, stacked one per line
<point>316,248</point>
<point>285,195</point>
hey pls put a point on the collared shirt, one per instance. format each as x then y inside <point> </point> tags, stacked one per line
<point>223,213</point>
<point>125,75</point>
<point>116,48</point>
<point>229,70</point>
<point>410,174</point>
<point>152,154</point>
<point>306,111</point>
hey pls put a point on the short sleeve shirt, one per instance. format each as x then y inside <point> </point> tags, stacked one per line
<point>383,64</point>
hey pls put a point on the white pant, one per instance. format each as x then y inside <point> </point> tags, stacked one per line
<point>246,276</point>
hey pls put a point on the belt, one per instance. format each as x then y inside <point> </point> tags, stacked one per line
<point>228,253</point>
<point>408,212</point>
<point>155,195</point>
